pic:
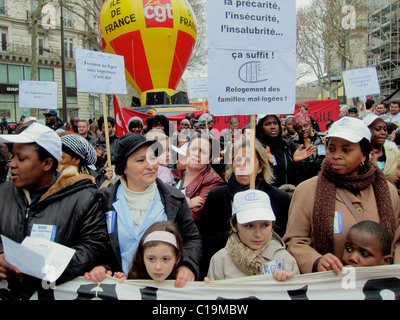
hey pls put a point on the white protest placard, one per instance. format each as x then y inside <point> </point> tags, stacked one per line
<point>197,88</point>
<point>98,72</point>
<point>37,94</point>
<point>252,57</point>
<point>251,82</point>
<point>238,24</point>
<point>361,82</point>
<point>38,257</point>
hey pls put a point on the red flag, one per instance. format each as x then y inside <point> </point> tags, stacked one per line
<point>120,125</point>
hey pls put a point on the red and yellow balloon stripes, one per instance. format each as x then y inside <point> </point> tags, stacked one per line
<point>156,38</point>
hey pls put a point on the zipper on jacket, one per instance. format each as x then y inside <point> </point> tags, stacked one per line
<point>27,212</point>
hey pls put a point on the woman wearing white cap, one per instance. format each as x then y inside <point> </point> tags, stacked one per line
<point>38,202</point>
<point>349,188</point>
<point>253,248</point>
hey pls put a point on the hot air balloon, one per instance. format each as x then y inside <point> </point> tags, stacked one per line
<point>156,38</point>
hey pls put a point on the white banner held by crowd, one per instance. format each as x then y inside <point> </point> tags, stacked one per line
<point>364,283</point>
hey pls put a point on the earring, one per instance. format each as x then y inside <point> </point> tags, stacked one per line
<point>362,163</point>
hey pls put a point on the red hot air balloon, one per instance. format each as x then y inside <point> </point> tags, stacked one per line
<point>156,38</point>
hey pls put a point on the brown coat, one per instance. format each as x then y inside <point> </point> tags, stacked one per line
<point>299,228</point>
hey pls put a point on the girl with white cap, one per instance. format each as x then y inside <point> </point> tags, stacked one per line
<point>253,248</point>
<point>348,189</point>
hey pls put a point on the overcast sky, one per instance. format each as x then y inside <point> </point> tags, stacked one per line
<point>301,3</point>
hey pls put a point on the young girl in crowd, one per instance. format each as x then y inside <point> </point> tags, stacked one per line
<point>158,254</point>
<point>253,248</point>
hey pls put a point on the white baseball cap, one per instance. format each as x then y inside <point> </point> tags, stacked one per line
<point>252,205</point>
<point>40,134</point>
<point>350,129</point>
<point>371,118</point>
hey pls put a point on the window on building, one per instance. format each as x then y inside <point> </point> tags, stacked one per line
<point>70,78</point>
<point>3,39</point>
<point>3,73</point>
<point>68,18</point>
<point>69,47</point>
<point>46,74</point>
<point>34,5</point>
<point>15,74</point>
<point>40,43</point>
<point>2,7</point>
<point>12,74</point>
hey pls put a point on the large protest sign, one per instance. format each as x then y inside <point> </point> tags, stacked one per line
<point>363,283</point>
<point>252,24</point>
<point>251,85</point>
<point>252,57</point>
<point>37,94</point>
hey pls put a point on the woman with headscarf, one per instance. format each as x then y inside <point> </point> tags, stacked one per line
<point>307,137</point>
<point>348,189</point>
<point>79,157</point>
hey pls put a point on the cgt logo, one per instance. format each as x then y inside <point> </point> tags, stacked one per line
<point>158,13</point>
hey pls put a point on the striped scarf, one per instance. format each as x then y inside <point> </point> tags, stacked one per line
<point>324,206</point>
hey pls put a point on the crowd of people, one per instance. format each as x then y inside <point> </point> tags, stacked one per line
<point>176,201</point>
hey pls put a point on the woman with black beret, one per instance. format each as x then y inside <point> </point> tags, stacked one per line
<point>136,201</point>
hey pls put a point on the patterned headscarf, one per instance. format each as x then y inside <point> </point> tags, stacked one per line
<point>78,146</point>
<point>301,117</point>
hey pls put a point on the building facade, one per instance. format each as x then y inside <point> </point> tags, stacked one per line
<point>16,58</point>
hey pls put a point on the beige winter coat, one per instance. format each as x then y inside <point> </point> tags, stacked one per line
<point>299,228</point>
<point>392,160</point>
<point>223,267</point>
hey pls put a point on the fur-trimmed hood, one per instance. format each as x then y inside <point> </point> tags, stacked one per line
<point>69,176</point>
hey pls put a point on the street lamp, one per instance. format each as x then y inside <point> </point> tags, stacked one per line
<point>64,88</point>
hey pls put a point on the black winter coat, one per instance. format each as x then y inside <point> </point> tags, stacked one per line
<point>177,211</point>
<point>214,223</point>
<point>72,204</point>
